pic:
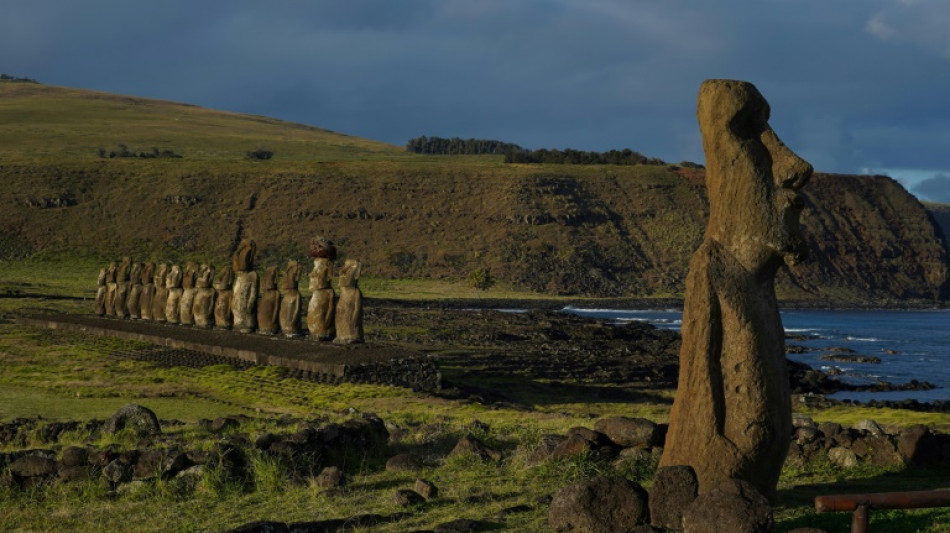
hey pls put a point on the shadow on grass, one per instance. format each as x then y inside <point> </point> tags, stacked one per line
<point>896,521</point>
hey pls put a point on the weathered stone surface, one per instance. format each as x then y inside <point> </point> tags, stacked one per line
<point>599,505</point>
<point>321,247</point>
<point>290,300</point>
<point>223,319</point>
<point>134,302</point>
<point>117,472</point>
<point>426,489</point>
<point>33,466</point>
<point>330,477</point>
<point>843,457</point>
<point>268,307</point>
<point>349,309</point>
<point>882,452</point>
<point>173,303</point>
<point>732,414</point>
<point>148,291</point>
<point>204,303</point>
<point>109,303</point>
<point>870,426</point>
<point>628,432</point>
<point>186,307</point>
<point>74,456</point>
<point>74,473</point>
<point>122,286</point>
<point>674,489</point>
<point>244,301</point>
<point>918,447</point>
<point>582,440</point>
<point>99,304</point>
<point>135,417</point>
<point>734,506</point>
<point>403,462</point>
<point>160,297</point>
<point>406,498</point>
<point>322,306</point>
<point>471,445</point>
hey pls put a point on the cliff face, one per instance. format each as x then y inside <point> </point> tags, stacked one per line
<point>598,231</point>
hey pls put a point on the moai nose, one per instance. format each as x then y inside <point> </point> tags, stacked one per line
<point>788,170</point>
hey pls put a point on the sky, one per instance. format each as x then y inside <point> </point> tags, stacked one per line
<point>855,86</point>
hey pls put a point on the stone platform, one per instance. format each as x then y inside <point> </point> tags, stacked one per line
<point>356,363</point>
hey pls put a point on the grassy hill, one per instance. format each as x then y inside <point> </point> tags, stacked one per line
<point>554,229</point>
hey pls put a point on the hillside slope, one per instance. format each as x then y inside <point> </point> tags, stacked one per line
<point>592,230</point>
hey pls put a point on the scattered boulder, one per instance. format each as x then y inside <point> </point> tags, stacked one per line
<point>33,466</point>
<point>871,427</point>
<point>734,506</point>
<point>674,488</point>
<point>545,448</point>
<point>918,447</point>
<point>843,457</point>
<point>628,432</point>
<point>582,440</point>
<point>426,489</point>
<point>117,472</point>
<point>403,462</point>
<point>471,445</point>
<point>406,498</point>
<point>75,456</point>
<point>330,477</point>
<point>135,417</point>
<point>599,505</point>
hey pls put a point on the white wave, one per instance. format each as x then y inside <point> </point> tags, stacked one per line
<point>862,339</point>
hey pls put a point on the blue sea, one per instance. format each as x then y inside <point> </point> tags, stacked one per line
<point>910,344</point>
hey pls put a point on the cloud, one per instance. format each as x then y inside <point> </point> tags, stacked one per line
<point>936,189</point>
<point>922,23</point>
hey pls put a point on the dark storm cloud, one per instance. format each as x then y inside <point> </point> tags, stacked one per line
<point>936,189</point>
<point>852,84</point>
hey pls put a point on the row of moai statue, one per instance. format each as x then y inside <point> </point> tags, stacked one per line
<point>238,298</point>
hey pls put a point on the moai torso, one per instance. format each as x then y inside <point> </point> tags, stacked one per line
<point>99,307</point>
<point>173,304</point>
<point>290,301</point>
<point>122,287</point>
<point>244,299</point>
<point>203,308</point>
<point>731,418</point>
<point>268,308</point>
<point>160,297</point>
<point>222,301</point>
<point>349,309</point>
<point>322,307</point>
<point>148,291</point>
<point>185,309</point>
<point>135,291</point>
<point>109,304</point>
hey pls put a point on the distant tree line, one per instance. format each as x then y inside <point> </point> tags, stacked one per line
<point>124,151</point>
<point>7,77</point>
<point>579,157</point>
<point>457,146</point>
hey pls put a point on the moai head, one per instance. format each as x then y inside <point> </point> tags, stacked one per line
<point>225,279</point>
<point>321,247</point>
<point>136,274</point>
<point>350,273</point>
<point>160,273</point>
<point>102,277</point>
<point>320,276</point>
<point>269,279</point>
<point>188,275</point>
<point>124,270</point>
<point>111,272</point>
<point>173,278</point>
<point>205,276</point>
<point>243,258</point>
<point>751,176</point>
<point>291,276</point>
<point>148,273</point>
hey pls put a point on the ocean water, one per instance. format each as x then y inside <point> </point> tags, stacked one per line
<point>910,344</point>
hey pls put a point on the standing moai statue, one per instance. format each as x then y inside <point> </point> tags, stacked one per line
<point>134,302</point>
<point>173,304</point>
<point>186,307</point>
<point>268,309</point>
<point>122,287</point>
<point>349,309</point>
<point>223,296</point>
<point>203,308</point>
<point>244,299</point>
<point>160,297</point>
<point>290,301</point>
<point>99,307</point>
<point>732,415</point>
<point>148,291</point>
<point>320,310</point>
<point>110,288</point>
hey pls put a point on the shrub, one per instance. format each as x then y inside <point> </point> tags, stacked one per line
<point>261,154</point>
<point>481,279</point>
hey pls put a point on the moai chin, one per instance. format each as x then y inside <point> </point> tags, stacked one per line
<point>203,306</point>
<point>349,309</point>
<point>244,299</point>
<point>99,306</point>
<point>290,301</point>
<point>109,303</point>
<point>322,307</point>
<point>134,302</point>
<point>148,291</point>
<point>223,296</point>
<point>732,414</point>
<point>268,308</point>
<point>160,297</point>
<point>122,287</point>
<point>186,308</point>
<point>173,304</point>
